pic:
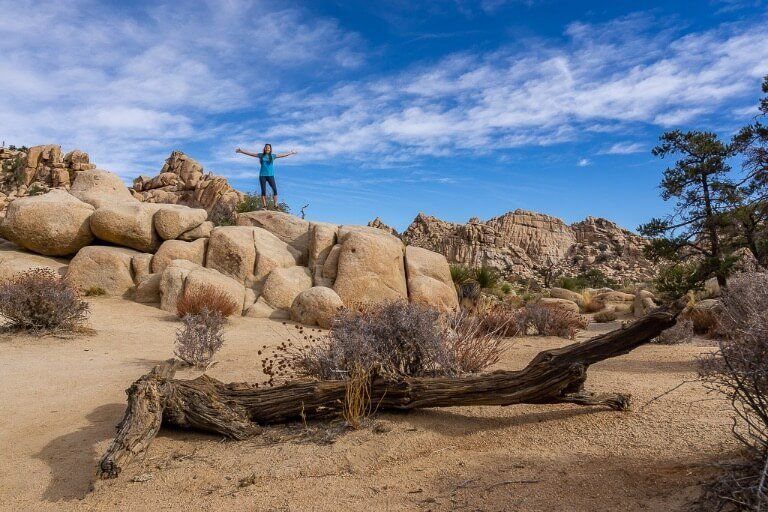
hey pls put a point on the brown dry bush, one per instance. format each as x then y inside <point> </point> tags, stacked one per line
<point>392,340</point>
<point>200,337</point>
<point>605,316</point>
<point>39,300</point>
<point>681,332</point>
<point>739,370</point>
<point>590,303</point>
<point>206,297</point>
<point>549,321</point>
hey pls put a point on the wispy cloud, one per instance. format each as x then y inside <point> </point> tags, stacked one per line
<point>624,148</point>
<point>582,162</point>
<point>608,77</point>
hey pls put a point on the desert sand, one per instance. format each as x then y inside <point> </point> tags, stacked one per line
<point>60,400</point>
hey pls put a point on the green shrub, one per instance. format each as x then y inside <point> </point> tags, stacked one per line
<point>486,277</point>
<point>592,278</point>
<point>678,279</point>
<point>506,288</point>
<point>253,202</point>
<point>460,274</point>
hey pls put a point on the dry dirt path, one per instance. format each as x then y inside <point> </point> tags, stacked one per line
<point>60,401</point>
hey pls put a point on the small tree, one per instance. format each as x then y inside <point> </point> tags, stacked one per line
<point>750,217</point>
<point>703,191</point>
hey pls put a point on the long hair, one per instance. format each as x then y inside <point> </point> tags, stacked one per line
<point>264,153</point>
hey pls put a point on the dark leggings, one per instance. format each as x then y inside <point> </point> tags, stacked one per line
<point>263,180</point>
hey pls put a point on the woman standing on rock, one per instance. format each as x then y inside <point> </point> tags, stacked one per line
<point>267,171</point>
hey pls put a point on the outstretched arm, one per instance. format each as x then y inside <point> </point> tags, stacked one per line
<point>244,152</point>
<point>283,155</point>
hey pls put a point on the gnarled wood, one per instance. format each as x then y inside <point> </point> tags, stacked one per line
<point>237,410</point>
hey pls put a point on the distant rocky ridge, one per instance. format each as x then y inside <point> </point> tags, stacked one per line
<point>530,245</point>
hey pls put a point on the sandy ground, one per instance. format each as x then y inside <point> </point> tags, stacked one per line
<point>61,399</point>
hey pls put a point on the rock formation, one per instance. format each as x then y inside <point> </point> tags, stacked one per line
<point>272,264</point>
<point>36,170</point>
<point>524,244</point>
<point>182,180</point>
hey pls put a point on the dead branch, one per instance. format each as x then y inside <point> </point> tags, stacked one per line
<point>236,410</point>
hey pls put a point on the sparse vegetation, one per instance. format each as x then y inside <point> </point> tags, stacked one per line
<point>38,300</point>
<point>604,317</point>
<point>681,332</point>
<point>533,319</point>
<point>392,340</point>
<point>253,202</point>
<point>487,277</point>
<point>739,371</point>
<point>592,278</point>
<point>205,298</point>
<point>590,303</point>
<point>94,291</point>
<point>460,274</point>
<point>200,337</point>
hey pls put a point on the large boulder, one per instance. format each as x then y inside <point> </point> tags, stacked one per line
<point>371,268</point>
<point>99,187</point>
<point>179,250</point>
<point>52,224</point>
<point>15,261</point>
<point>231,251</point>
<point>201,231</point>
<point>128,225</point>
<point>288,228</point>
<point>271,253</point>
<point>148,289</point>
<point>141,265</point>
<point>429,279</point>
<point>102,268</point>
<point>260,309</point>
<point>172,283</point>
<point>643,303</point>
<point>171,223</point>
<point>331,264</point>
<point>322,238</point>
<point>182,276</point>
<point>565,304</point>
<point>562,293</point>
<point>613,296</point>
<point>316,306</point>
<point>284,284</point>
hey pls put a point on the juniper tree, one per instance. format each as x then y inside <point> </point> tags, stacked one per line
<point>703,191</point>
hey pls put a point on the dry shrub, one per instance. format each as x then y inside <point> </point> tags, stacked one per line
<point>357,397</point>
<point>500,319</point>
<point>604,316</point>
<point>623,308</point>
<point>704,320</point>
<point>681,332</point>
<point>739,370</point>
<point>392,340</point>
<point>200,337</point>
<point>549,321</point>
<point>590,303</point>
<point>206,297</point>
<point>39,300</point>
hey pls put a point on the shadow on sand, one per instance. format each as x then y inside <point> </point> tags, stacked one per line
<point>73,457</point>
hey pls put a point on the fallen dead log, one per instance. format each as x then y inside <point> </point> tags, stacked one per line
<point>236,410</point>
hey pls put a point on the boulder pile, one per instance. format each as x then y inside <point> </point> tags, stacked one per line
<point>272,264</point>
<point>182,180</point>
<point>36,170</point>
<point>533,245</point>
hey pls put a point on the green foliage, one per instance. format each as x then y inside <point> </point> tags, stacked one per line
<point>35,190</point>
<point>506,288</point>
<point>460,274</point>
<point>592,278</point>
<point>677,279</point>
<point>487,277</point>
<point>253,202</point>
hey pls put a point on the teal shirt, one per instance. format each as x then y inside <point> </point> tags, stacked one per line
<point>267,167</point>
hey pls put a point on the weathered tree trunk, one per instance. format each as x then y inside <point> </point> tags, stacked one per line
<point>236,410</point>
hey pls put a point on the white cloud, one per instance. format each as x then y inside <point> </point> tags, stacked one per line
<point>582,162</point>
<point>608,78</point>
<point>107,78</point>
<point>624,148</point>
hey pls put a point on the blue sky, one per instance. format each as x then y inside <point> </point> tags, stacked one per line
<point>456,108</point>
